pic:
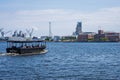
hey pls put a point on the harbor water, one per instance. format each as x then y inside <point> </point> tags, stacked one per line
<point>64,61</point>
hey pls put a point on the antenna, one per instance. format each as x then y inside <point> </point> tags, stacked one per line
<point>50,32</point>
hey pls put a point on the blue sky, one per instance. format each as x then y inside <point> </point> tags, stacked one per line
<point>64,15</point>
<point>84,5</point>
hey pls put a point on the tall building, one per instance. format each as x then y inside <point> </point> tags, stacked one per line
<point>78,28</point>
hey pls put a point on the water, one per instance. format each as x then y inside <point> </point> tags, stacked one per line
<point>64,61</point>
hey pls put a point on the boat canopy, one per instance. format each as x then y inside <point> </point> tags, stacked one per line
<point>24,41</point>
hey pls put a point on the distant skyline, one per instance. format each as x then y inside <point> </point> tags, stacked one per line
<point>63,15</point>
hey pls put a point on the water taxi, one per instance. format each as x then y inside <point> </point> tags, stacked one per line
<point>26,47</point>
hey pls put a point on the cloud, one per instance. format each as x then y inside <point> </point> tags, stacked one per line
<point>63,21</point>
<point>108,18</point>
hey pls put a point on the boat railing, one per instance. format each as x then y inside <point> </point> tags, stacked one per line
<point>28,44</point>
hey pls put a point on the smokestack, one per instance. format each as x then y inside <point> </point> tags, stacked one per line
<point>50,33</point>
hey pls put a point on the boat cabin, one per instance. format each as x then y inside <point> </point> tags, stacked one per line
<point>22,47</point>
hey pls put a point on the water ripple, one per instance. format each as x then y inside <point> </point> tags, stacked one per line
<point>65,61</point>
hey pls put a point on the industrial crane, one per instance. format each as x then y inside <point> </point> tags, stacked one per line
<point>30,32</point>
<point>3,33</point>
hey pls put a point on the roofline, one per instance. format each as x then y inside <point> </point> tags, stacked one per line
<point>24,41</point>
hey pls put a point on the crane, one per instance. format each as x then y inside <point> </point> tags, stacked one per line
<point>3,33</point>
<point>1,29</point>
<point>30,32</point>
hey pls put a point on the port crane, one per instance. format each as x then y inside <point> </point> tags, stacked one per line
<point>1,29</point>
<point>30,32</point>
<point>3,33</point>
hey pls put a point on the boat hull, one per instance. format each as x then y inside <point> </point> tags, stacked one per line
<point>24,50</point>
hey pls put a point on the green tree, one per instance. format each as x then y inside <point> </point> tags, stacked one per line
<point>103,39</point>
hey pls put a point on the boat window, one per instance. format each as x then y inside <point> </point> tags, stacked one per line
<point>26,44</point>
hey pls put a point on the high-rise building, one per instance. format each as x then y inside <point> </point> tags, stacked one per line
<point>78,28</point>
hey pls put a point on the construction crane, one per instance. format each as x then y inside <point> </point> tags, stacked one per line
<point>30,32</point>
<point>1,29</point>
<point>3,33</point>
<point>15,34</point>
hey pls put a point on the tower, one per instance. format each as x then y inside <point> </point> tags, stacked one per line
<point>100,32</point>
<point>50,33</point>
<point>78,28</point>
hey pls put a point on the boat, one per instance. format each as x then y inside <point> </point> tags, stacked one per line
<point>25,47</point>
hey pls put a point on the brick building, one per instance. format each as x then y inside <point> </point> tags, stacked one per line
<point>86,36</point>
<point>107,36</point>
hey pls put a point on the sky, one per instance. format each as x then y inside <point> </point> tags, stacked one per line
<point>63,15</point>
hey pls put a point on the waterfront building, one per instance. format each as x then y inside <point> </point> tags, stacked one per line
<point>44,37</point>
<point>68,38</point>
<point>86,36</point>
<point>35,38</point>
<point>107,36</point>
<point>57,38</point>
<point>100,32</point>
<point>100,36</point>
<point>78,28</point>
<point>113,36</point>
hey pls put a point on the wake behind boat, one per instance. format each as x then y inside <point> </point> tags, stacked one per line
<point>25,47</point>
<point>16,54</point>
